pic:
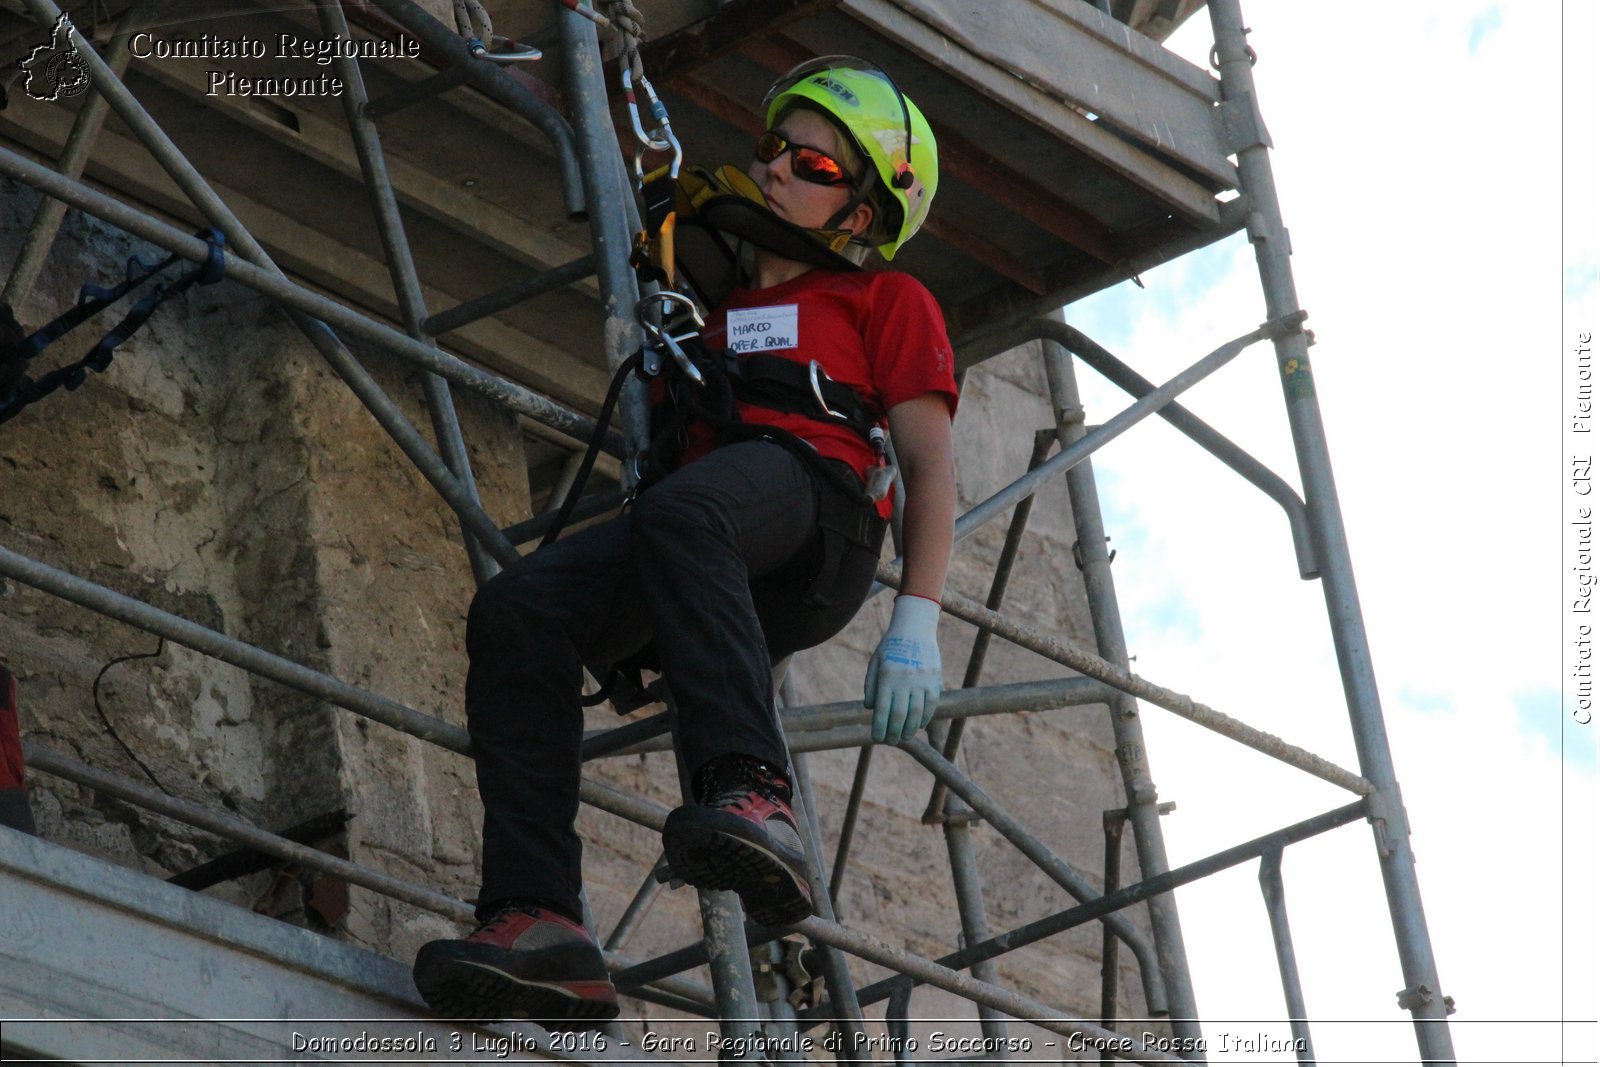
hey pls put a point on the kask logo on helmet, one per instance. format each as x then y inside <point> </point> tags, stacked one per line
<point>837,89</point>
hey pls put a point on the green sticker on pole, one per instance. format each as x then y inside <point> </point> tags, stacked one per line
<point>1297,384</point>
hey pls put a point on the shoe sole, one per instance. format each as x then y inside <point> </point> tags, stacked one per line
<point>708,858</point>
<point>479,992</point>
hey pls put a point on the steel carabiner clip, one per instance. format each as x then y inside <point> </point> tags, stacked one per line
<point>526,53</point>
<point>659,139</point>
<point>818,376</point>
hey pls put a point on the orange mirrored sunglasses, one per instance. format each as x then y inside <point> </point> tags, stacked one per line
<point>807,163</point>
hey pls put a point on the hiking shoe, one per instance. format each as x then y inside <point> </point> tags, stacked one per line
<point>520,964</point>
<point>742,836</point>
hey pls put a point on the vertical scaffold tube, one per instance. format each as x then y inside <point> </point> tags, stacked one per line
<point>403,275</point>
<point>1421,995</point>
<point>964,873</point>
<point>1294,998</point>
<point>608,198</point>
<point>722,925</point>
<point>1132,759</point>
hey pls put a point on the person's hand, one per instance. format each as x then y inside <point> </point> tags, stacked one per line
<point>904,676</point>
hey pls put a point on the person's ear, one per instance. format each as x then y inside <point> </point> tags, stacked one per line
<point>858,221</point>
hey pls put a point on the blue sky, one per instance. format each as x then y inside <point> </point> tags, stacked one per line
<point>1419,157</point>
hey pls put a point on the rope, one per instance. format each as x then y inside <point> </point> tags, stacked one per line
<point>628,21</point>
<point>474,24</point>
<point>578,7</point>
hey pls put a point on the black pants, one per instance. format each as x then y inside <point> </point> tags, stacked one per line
<point>712,564</point>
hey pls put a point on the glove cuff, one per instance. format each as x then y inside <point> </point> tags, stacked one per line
<point>913,610</point>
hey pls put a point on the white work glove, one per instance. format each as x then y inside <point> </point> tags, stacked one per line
<point>904,676</point>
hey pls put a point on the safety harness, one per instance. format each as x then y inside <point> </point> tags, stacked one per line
<point>706,386</point>
<point>846,510</point>
<point>700,385</point>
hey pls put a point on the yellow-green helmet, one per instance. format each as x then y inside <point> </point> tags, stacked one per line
<point>882,119</point>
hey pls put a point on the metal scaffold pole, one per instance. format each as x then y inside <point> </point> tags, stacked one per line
<point>607,199</point>
<point>1421,996</point>
<point>403,274</point>
<point>1132,759</point>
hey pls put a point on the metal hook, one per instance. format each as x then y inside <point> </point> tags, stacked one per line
<point>664,299</point>
<point>818,375</point>
<point>526,54</point>
<point>660,138</point>
<point>657,328</point>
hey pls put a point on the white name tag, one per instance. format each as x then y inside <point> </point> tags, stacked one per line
<point>764,329</point>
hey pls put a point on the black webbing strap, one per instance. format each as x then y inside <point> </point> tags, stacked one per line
<point>770,381</point>
<point>761,380</point>
<point>628,366</point>
<point>20,390</point>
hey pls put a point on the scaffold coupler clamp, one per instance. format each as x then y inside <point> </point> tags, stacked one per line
<point>1420,997</point>
<point>1081,560</point>
<point>1387,819</point>
<point>792,959</point>
<point>1286,325</point>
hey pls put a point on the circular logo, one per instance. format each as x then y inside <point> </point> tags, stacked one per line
<point>66,75</point>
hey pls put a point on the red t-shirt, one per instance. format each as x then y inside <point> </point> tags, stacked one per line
<point>879,332</point>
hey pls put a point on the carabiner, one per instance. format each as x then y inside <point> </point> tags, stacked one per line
<point>816,391</point>
<point>658,330</point>
<point>633,112</point>
<point>527,54</point>
<point>658,113</point>
<point>659,139</point>
<point>667,297</point>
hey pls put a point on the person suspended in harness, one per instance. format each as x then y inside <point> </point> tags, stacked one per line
<point>728,563</point>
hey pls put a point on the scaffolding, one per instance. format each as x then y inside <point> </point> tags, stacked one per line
<point>594,184</point>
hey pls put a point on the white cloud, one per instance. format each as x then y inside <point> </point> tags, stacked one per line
<point>1418,163</point>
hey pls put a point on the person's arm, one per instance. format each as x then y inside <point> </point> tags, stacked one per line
<point>905,676</point>
<point>920,428</point>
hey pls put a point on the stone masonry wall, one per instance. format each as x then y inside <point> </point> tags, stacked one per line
<point>221,471</point>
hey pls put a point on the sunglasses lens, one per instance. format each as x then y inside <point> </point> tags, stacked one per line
<point>769,146</point>
<point>808,164</point>
<point>812,166</point>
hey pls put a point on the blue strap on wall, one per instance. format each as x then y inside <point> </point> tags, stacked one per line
<point>17,390</point>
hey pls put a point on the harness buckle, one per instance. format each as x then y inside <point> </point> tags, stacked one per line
<point>818,376</point>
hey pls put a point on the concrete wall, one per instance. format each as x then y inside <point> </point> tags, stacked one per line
<point>221,471</point>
